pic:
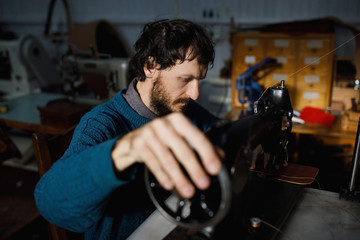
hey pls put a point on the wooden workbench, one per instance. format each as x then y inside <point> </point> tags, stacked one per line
<point>333,135</point>
<point>314,129</point>
<point>23,113</point>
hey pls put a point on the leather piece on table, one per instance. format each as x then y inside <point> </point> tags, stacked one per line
<point>62,113</point>
<point>293,173</point>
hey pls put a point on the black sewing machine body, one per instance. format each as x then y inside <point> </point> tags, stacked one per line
<point>270,126</point>
<point>222,211</point>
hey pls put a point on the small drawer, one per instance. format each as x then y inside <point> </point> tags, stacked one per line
<point>281,46</point>
<point>249,45</point>
<point>314,47</point>
<point>314,65</point>
<point>246,60</point>
<point>312,82</point>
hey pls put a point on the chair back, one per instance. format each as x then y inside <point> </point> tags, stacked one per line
<point>47,149</point>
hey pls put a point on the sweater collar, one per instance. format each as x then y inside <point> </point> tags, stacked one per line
<point>132,97</point>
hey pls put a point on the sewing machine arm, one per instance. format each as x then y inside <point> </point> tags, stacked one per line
<point>270,126</point>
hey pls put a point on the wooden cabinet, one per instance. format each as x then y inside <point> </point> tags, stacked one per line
<point>308,86</point>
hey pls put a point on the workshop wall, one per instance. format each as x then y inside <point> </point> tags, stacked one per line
<point>25,17</point>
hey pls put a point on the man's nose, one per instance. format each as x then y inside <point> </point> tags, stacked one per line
<point>192,90</point>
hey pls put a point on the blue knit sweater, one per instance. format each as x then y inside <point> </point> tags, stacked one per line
<point>83,193</point>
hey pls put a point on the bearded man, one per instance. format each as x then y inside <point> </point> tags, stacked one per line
<point>97,187</point>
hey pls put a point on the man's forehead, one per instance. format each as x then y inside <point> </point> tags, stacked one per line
<point>191,68</point>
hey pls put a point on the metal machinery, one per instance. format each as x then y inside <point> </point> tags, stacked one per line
<point>98,58</point>
<point>217,213</point>
<point>105,77</point>
<point>25,66</point>
<point>351,191</point>
<point>246,83</point>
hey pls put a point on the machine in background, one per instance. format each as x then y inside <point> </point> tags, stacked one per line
<point>97,58</point>
<point>25,66</point>
<point>249,90</point>
<point>103,77</point>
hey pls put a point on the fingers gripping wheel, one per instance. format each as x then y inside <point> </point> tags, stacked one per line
<point>205,208</point>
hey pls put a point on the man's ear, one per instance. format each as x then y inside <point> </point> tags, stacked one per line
<point>150,67</point>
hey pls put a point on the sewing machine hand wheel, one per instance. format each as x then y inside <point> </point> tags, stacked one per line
<point>205,208</point>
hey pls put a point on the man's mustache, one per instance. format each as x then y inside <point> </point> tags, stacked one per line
<point>183,100</point>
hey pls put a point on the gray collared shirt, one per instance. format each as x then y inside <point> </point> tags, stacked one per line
<point>132,97</point>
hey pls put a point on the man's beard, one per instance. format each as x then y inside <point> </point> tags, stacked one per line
<point>160,101</point>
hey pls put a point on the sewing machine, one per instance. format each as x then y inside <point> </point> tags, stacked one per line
<point>103,76</point>
<point>236,195</point>
<point>25,66</point>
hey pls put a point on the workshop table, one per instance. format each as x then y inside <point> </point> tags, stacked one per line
<point>319,215</point>
<point>334,130</point>
<point>333,135</point>
<point>322,215</point>
<point>23,113</point>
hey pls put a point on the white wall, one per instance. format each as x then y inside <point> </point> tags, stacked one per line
<point>29,16</point>
<point>140,11</point>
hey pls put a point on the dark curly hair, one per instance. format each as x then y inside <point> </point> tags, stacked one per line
<point>169,41</point>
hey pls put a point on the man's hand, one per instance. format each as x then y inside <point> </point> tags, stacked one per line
<point>163,145</point>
